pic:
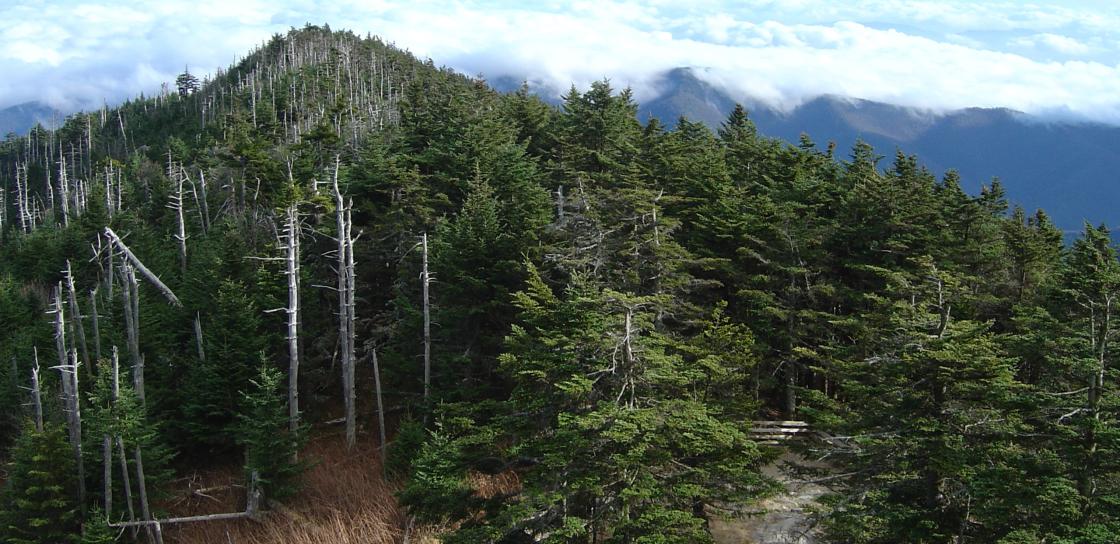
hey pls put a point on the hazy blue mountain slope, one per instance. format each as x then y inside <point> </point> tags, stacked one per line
<point>1071,170</point>
<point>22,117</point>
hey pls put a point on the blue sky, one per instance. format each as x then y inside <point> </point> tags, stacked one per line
<point>1054,59</point>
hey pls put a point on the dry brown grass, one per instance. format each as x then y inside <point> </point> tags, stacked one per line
<point>344,500</point>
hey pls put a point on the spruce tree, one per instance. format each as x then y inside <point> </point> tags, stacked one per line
<point>262,429</point>
<point>40,504</point>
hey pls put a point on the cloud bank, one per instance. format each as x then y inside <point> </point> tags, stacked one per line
<point>1056,60</point>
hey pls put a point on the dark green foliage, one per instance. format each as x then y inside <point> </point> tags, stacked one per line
<point>263,430</point>
<point>613,304</point>
<point>607,425</point>
<point>96,529</point>
<point>211,389</point>
<point>40,501</point>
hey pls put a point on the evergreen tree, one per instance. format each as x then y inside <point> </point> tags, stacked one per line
<point>270,448</point>
<point>40,503</point>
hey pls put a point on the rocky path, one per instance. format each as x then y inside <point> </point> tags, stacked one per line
<point>785,518</point>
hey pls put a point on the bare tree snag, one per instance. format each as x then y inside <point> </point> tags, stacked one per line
<point>350,305</point>
<point>76,314</point>
<point>130,294</point>
<point>177,205</point>
<point>63,189</point>
<point>36,394</point>
<point>126,483</point>
<point>198,337</point>
<point>59,326</point>
<point>345,307</point>
<point>155,532</point>
<point>96,325</point>
<point>425,279</point>
<point>380,409</point>
<point>148,274</point>
<point>291,246</point>
<point>70,398</point>
<point>204,208</point>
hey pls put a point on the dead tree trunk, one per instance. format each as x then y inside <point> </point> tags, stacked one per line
<point>63,189</point>
<point>350,305</point>
<point>380,409</point>
<point>155,532</point>
<point>291,244</point>
<point>425,278</point>
<point>96,325</point>
<point>181,220</point>
<point>69,377</point>
<point>126,483</point>
<point>36,394</point>
<point>76,315</point>
<point>130,294</point>
<point>148,274</point>
<point>204,207</point>
<point>345,309</point>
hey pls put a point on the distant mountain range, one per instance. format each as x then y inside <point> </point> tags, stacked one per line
<point>21,118</point>
<point>1070,170</point>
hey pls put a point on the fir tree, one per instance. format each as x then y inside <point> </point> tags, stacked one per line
<point>40,498</point>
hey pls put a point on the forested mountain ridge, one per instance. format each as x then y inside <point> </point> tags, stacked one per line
<point>592,308</point>
<point>1068,168</point>
<point>21,118</point>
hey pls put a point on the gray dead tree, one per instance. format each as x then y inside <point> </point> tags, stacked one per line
<point>346,332</point>
<point>178,176</point>
<point>425,278</point>
<point>130,298</point>
<point>63,188</point>
<point>94,320</point>
<point>144,271</point>
<point>380,409</point>
<point>36,394</point>
<point>176,204</point>
<point>76,314</point>
<point>290,240</point>
<point>70,398</point>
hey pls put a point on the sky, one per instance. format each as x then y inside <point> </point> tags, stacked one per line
<point>1054,59</point>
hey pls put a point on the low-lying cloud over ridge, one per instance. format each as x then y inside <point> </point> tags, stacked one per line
<point>1056,60</point>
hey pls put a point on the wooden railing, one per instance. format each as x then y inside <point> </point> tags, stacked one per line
<point>777,432</point>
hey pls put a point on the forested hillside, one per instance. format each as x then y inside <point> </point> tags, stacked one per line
<point>334,238</point>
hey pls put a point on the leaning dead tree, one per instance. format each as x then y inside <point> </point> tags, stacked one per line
<point>346,333</point>
<point>144,271</point>
<point>380,408</point>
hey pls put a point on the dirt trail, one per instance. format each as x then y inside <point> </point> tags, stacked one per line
<point>782,519</point>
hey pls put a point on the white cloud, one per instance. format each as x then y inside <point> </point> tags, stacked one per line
<point>1043,58</point>
<point>1054,42</point>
